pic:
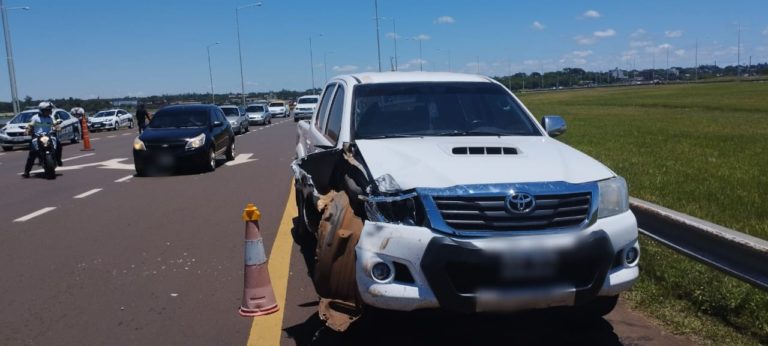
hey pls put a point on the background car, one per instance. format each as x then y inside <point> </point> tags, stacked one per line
<point>236,117</point>
<point>112,119</point>
<point>278,109</point>
<point>184,136</point>
<point>12,134</point>
<point>305,106</point>
<point>258,114</point>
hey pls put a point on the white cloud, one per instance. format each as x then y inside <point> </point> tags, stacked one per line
<point>605,33</point>
<point>680,52</point>
<point>422,37</point>
<point>136,94</point>
<point>536,25</point>
<point>591,14</point>
<point>638,33</point>
<point>445,20</point>
<point>582,53</point>
<point>392,35</point>
<point>531,62</point>
<point>579,62</point>
<point>674,33</point>
<point>659,49</point>
<point>637,44</point>
<point>251,83</point>
<point>345,68</point>
<point>585,40</point>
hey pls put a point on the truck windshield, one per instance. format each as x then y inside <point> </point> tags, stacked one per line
<point>438,109</point>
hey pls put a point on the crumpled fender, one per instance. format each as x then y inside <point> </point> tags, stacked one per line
<point>334,279</point>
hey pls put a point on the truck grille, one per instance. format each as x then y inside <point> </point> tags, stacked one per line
<point>489,213</point>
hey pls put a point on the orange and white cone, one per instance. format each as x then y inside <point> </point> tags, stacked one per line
<point>258,296</point>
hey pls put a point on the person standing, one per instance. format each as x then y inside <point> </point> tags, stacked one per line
<point>79,113</point>
<point>141,117</point>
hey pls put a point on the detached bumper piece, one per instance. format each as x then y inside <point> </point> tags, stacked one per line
<point>465,278</point>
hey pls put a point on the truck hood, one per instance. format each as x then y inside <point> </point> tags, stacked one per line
<point>429,162</point>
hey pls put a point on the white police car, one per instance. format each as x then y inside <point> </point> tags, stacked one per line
<point>112,119</point>
<point>12,134</point>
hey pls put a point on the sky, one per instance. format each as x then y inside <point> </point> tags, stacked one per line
<point>118,48</point>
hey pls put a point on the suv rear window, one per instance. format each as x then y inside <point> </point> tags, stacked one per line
<point>230,111</point>
<point>277,104</point>
<point>308,100</point>
<point>254,109</point>
<point>438,109</point>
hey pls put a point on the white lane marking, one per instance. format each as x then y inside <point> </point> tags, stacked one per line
<point>241,158</point>
<point>88,193</point>
<point>112,136</point>
<point>124,179</point>
<point>127,134</point>
<point>77,157</point>
<point>109,164</point>
<point>95,139</point>
<point>1,154</point>
<point>34,215</point>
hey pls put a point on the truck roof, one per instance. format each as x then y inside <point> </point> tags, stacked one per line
<point>405,77</point>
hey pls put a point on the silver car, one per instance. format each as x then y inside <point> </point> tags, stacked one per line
<point>258,114</point>
<point>237,118</point>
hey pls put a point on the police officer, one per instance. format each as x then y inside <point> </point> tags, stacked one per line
<point>41,123</point>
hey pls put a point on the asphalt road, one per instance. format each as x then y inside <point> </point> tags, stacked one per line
<point>99,256</point>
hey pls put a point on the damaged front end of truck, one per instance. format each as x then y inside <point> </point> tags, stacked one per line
<point>336,195</point>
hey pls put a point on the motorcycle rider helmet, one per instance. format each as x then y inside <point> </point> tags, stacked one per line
<point>45,105</point>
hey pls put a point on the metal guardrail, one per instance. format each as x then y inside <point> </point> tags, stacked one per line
<point>736,254</point>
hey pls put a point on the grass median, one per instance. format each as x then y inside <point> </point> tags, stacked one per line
<point>701,149</point>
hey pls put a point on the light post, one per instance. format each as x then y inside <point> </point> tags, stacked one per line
<point>378,42</point>
<point>325,64</point>
<point>394,37</point>
<point>449,57</point>
<point>240,49</point>
<point>312,60</point>
<point>9,54</point>
<point>210,71</point>
<point>421,61</point>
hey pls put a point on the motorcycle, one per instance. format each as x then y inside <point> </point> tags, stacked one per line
<point>46,151</point>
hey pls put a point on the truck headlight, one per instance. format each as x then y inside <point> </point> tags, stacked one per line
<point>403,209</point>
<point>138,145</point>
<point>195,142</point>
<point>391,205</point>
<point>614,197</point>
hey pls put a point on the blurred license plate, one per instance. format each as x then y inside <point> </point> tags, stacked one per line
<point>165,160</point>
<point>528,265</point>
<point>19,139</point>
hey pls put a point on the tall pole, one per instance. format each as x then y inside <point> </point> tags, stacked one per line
<point>738,54</point>
<point>378,43</point>
<point>240,49</point>
<point>9,57</point>
<point>312,61</point>
<point>210,71</point>
<point>421,61</point>
<point>325,65</point>
<point>394,30</point>
<point>696,59</point>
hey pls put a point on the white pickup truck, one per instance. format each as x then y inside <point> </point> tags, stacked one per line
<point>439,190</point>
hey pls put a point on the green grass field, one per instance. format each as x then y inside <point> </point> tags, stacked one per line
<point>701,149</point>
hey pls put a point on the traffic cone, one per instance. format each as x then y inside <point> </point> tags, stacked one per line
<point>86,137</point>
<point>258,296</point>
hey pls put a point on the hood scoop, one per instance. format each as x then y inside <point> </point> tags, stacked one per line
<point>484,151</point>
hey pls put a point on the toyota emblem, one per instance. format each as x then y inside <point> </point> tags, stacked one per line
<point>520,203</point>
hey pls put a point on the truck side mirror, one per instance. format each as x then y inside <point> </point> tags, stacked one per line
<point>554,125</point>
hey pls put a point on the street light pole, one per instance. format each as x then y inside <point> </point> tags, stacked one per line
<point>240,48</point>
<point>9,55</point>
<point>312,60</point>
<point>210,71</point>
<point>378,43</point>
<point>394,37</point>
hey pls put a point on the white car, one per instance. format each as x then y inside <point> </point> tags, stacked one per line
<point>12,134</point>
<point>278,109</point>
<point>441,190</point>
<point>112,119</point>
<point>305,107</point>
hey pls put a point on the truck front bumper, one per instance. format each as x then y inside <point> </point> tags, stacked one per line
<point>433,270</point>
